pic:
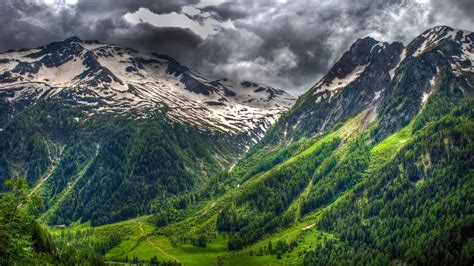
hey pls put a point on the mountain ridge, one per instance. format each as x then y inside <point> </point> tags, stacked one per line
<point>367,79</point>
<point>110,79</point>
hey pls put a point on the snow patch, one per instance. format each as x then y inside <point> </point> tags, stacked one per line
<point>425,97</point>
<point>377,95</point>
<point>334,86</point>
<point>433,37</point>
<point>426,94</point>
<point>403,55</point>
<point>250,110</point>
<point>340,83</point>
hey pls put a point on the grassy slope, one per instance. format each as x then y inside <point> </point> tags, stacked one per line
<point>145,242</point>
<point>305,232</point>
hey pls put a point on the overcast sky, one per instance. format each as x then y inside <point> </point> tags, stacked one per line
<point>286,44</point>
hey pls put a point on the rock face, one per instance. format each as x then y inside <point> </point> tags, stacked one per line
<point>107,79</point>
<point>390,81</point>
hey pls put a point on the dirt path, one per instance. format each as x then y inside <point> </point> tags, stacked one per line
<point>142,233</point>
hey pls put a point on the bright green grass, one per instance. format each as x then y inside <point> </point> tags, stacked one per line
<point>139,229</point>
<point>161,247</point>
<point>391,145</point>
<point>145,248</point>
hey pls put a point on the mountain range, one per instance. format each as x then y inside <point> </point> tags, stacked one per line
<point>107,79</point>
<point>137,158</point>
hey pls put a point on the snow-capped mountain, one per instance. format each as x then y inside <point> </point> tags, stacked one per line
<point>390,81</point>
<point>103,78</point>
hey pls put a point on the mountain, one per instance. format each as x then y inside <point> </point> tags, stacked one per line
<point>107,79</point>
<point>378,77</point>
<point>371,166</point>
<point>105,132</point>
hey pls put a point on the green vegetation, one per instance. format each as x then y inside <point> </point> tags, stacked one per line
<point>315,201</point>
<point>108,169</point>
<point>416,209</point>
<point>25,242</point>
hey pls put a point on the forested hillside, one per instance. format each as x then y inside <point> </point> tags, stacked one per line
<point>372,166</point>
<point>115,167</point>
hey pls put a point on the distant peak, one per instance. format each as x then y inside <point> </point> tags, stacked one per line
<point>73,39</point>
<point>248,84</point>
<point>363,45</point>
<point>433,37</point>
<point>166,57</point>
<point>365,41</point>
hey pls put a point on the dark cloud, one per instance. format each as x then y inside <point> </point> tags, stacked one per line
<point>124,6</point>
<point>176,42</point>
<point>30,23</point>
<point>458,12</point>
<point>17,30</point>
<point>288,44</point>
<point>228,10</point>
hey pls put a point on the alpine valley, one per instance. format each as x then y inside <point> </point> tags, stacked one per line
<point>111,155</point>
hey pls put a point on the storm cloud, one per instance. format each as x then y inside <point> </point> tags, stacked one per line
<point>286,44</point>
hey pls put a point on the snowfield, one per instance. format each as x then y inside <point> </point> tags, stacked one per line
<point>110,79</point>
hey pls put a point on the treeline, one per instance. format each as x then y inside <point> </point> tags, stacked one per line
<point>281,247</point>
<point>96,241</point>
<point>153,261</point>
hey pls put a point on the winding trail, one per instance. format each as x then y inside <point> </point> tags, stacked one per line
<point>142,233</point>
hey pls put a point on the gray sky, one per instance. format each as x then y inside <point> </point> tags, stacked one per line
<point>287,44</point>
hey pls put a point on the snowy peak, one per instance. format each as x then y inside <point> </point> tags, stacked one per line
<point>455,45</point>
<point>111,79</point>
<point>429,39</point>
<point>365,55</point>
<point>374,77</point>
<point>370,56</point>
